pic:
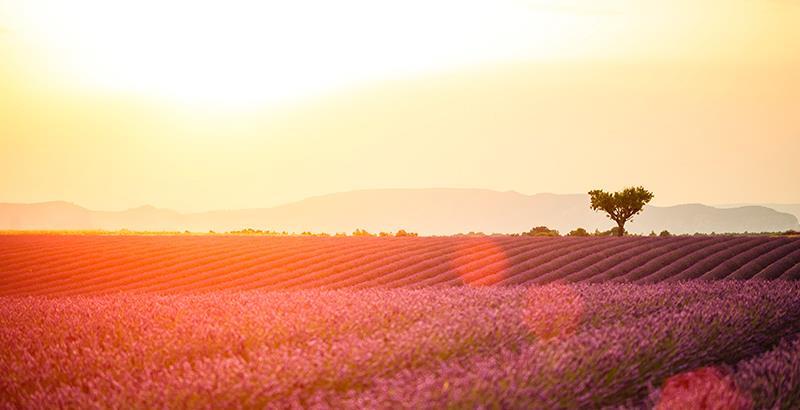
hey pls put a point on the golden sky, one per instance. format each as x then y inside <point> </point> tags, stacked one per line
<point>233,104</point>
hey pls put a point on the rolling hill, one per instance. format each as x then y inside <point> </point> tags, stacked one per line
<point>793,209</point>
<point>427,211</point>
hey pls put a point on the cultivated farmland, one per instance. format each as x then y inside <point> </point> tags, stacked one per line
<point>55,265</point>
<point>462,322</point>
<point>556,346</point>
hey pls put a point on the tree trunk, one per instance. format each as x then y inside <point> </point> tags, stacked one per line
<point>621,228</point>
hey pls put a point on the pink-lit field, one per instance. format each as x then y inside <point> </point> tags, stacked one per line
<point>303,322</point>
<point>64,265</point>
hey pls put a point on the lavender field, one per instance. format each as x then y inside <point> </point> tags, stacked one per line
<point>722,345</point>
<point>347,205</point>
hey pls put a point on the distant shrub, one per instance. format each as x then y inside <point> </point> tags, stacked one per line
<point>251,231</point>
<point>383,234</point>
<point>361,232</point>
<point>470,233</point>
<point>611,232</point>
<point>665,233</point>
<point>403,232</point>
<point>259,232</point>
<point>541,231</point>
<point>578,232</point>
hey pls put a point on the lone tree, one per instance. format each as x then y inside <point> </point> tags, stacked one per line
<point>620,207</point>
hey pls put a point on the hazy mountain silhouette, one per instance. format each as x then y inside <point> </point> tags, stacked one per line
<point>427,211</point>
<point>793,209</point>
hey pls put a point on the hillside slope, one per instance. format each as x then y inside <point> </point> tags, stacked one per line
<point>793,209</point>
<point>427,211</point>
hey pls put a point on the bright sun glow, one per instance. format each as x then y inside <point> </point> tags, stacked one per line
<point>227,104</point>
<point>255,52</point>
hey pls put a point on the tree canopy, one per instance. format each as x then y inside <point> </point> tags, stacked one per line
<point>620,207</point>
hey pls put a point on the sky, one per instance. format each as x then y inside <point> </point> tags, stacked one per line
<point>231,104</point>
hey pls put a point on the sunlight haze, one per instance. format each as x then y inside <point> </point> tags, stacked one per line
<point>223,105</point>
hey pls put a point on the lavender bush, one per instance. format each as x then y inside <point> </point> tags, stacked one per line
<point>554,346</point>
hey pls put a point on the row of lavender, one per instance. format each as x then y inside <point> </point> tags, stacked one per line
<point>767,381</point>
<point>76,265</point>
<point>557,346</point>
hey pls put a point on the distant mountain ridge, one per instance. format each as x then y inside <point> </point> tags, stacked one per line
<point>427,211</point>
<point>793,209</point>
